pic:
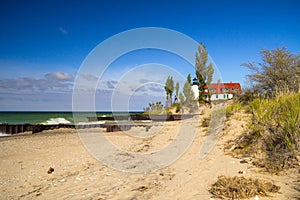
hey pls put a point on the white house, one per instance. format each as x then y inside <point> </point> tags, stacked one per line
<point>219,91</point>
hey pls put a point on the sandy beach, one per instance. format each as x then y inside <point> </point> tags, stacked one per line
<point>26,159</point>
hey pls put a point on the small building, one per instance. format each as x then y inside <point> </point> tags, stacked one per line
<point>221,91</point>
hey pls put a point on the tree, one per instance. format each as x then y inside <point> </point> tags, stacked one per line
<point>181,97</point>
<point>176,91</point>
<point>188,93</point>
<point>204,71</point>
<point>169,88</point>
<point>279,70</point>
<point>189,79</point>
<point>209,76</point>
<point>156,107</point>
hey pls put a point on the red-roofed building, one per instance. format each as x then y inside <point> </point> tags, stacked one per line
<point>222,90</point>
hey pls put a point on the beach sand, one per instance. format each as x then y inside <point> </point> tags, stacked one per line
<point>26,159</point>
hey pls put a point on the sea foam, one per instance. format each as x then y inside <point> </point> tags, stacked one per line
<point>4,134</point>
<point>87,123</point>
<point>57,121</point>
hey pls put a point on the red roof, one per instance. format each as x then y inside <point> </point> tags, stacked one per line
<point>224,88</point>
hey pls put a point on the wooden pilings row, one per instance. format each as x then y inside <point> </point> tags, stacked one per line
<point>110,127</point>
<point>35,128</point>
<point>134,117</point>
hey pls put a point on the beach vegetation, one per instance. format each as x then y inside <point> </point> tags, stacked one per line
<point>189,101</point>
<point>277,123</point>
<point>176,93</point>
<point>279,68</point>
<point>169,88</point>
<point>273,101</point>
<point>154,108</point>
<point>181,98</point>
<point>233,108</point>
<point>204,71</point>
<point>273,135</point>
<point>206,121</point>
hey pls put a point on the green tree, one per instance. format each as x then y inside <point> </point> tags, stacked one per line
<point>169,88</point>
<point>156,107</point>
<point>204,71</point>
<point>181,98</point>
<point>176,91</point>
<point>279,69</point>
<point>209,76</point>
<point>189,79</point>
<point>188,93</point>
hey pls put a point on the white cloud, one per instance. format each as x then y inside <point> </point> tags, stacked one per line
<point>59,76</point>
<point>89,77</point>
<point>53,82</point>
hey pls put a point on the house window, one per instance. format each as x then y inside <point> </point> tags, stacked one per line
<point>224,96</point>
<point>225,89</point>
<point>216,96</point>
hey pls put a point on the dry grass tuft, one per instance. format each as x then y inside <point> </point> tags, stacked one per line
<point>241,187</point>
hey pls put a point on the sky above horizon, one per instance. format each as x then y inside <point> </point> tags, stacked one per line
<point>44,43</point>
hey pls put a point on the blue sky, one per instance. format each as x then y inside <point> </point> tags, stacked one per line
<point>43,43</point>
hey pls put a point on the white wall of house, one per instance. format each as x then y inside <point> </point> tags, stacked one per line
<point>214,97</point>
<point>221,96</point>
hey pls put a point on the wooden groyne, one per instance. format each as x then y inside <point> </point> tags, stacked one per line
<point>110,127</point>
<point>140,117</point>
<point>35,128</point>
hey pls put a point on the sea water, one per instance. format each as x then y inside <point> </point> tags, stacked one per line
<point>50,117</point>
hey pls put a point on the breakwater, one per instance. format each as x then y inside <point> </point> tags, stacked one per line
<point>35,128</point>
<point>112,126</point>
<point>140,117</point>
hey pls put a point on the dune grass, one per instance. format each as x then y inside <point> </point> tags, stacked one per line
<point>232,108</point>
<point>274,132</point>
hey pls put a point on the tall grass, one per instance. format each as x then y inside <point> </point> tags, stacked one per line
<point>277,122</point>
<point>232,108</point>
